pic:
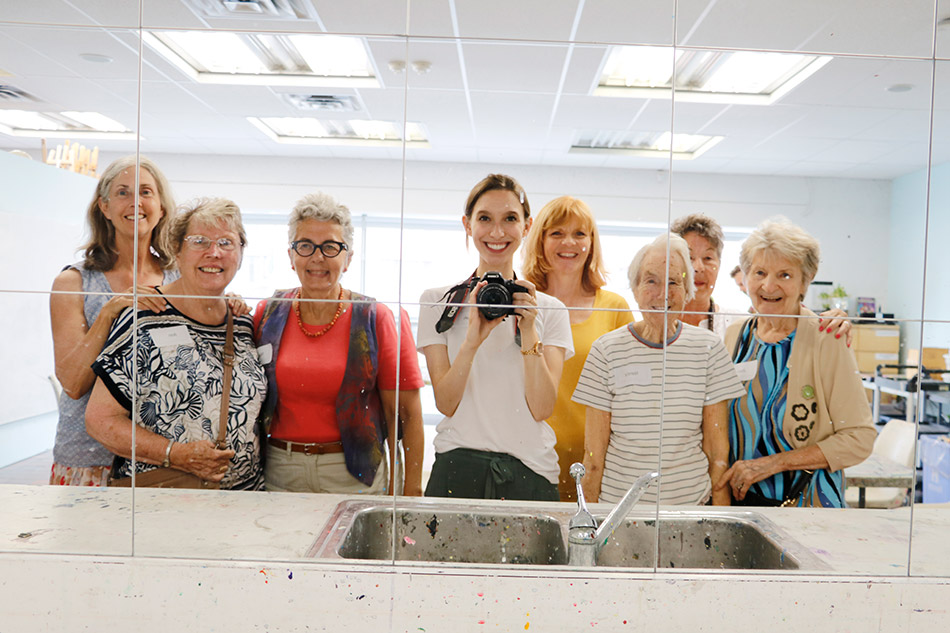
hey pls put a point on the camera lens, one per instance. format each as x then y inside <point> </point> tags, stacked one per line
<point>497,297</point>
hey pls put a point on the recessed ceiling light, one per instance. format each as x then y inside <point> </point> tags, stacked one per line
<point>266,59</point>
<point>646,144</point>
<point>88,125</point>
<point>900,88</point>
<point>356,132</point>
<point>748,77</point>
<point>95,58</point>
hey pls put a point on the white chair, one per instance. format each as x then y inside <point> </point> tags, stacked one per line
<point>57,388</point>
<point>896,441</point>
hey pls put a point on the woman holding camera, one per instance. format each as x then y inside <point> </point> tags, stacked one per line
<point>495,379</point>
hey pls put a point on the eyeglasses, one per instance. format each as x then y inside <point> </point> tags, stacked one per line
<point>202,243</point>
<point>306,248</point>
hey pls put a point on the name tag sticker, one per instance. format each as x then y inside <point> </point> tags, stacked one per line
<point>747,370</point>
<point>171,336</point>
<point>265,353</point>
<point>633,375</point>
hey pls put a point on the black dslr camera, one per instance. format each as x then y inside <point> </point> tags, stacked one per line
<point>495,297</point>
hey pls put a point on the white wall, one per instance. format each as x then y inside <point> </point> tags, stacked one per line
<point>41,224</point>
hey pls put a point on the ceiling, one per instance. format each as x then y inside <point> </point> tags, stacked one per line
<point>511,82</point>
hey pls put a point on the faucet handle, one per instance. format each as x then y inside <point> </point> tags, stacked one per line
<point>583,517</point>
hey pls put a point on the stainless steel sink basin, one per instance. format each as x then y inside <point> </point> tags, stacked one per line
<point>486,533</point>
<point>701,540</point>
<point>440,533</point>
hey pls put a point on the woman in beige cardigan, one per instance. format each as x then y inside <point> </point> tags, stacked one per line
<point>804,417</point>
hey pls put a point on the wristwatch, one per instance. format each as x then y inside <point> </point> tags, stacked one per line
<point>534,350</point>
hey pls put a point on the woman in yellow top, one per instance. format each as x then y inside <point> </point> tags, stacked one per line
<point>562,257</point>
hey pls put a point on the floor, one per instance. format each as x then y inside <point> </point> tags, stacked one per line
<point>30,471</point>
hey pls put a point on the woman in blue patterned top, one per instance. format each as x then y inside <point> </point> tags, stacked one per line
<point>804,416</point>
<point>171,364</point>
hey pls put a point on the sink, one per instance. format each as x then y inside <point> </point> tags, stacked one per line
<point>703,540</point>
<point>477,532</point>
<point>446,533</point>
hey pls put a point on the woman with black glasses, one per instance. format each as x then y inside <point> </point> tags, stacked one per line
<point>331,360</point>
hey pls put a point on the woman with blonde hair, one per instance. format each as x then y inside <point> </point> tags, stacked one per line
<point>562,257</point>
<point>127,252</point>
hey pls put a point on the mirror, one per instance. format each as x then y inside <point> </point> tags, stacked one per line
<point>930,338</point>
<point>511,89</point>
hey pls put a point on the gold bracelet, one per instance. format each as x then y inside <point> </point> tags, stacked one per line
<point>534,350</point>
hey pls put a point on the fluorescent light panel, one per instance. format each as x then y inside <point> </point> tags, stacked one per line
<point>645,144</point>
<point>746,77</point>
<point>357,132</point>
<point>267,59</point>
<point>89,125</point>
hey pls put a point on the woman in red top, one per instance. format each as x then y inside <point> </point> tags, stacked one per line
<point>331,357</point>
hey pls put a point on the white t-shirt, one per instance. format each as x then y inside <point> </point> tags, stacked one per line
<point>623,376</point>
<point>493,414</point>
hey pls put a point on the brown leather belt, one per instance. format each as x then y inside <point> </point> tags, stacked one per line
<point>306,449</point>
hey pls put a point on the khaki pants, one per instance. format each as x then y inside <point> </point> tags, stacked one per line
<point>286,471</point>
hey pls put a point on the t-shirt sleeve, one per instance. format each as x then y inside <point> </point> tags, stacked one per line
<point>557,328</point>
<point>259,313</point>
<point>722,382</point>
<point>429,315</point>
<point>409,375</point>
<point>114,365</point>
<point>593,386</point>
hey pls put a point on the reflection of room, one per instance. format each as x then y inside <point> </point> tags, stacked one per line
<point>399,128</point>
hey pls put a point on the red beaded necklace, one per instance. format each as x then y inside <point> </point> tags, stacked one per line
<point>339,311</point>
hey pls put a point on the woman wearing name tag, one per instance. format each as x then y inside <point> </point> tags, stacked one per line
<point>562,257</point>
<point>658,376</point>
<point>495,378</point>
<point>331,358</point>
<point>81,322</point>
<point>803,417</point>
<point>174,366</point>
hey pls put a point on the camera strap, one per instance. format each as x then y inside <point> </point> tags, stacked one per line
<point>456,297</point>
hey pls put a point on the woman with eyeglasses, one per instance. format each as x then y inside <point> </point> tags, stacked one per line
<point>173,366</point>
<point>85,303</point>
<point>343,377</point>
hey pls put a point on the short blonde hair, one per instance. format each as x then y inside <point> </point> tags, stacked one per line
<point>555,213</point>
<point>678,246</point>
<point>207,211</point>
<point>781,237</point>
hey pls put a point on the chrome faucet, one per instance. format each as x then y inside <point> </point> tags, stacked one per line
<point>585,539</point>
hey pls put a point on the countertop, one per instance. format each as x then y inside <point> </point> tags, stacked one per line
<point>283,526</point>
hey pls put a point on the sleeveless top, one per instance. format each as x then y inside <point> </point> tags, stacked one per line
<point>73,445</point>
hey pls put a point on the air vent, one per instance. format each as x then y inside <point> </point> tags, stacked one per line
<point>323,103</point>
<point>255,9</point>
<point>10,93</point>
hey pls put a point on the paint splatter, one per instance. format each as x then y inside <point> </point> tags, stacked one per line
<point>408,540</point>
<point>290,576</point>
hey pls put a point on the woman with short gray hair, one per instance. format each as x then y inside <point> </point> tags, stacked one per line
<point>804,417</point>
<point>658,376</point>
<point>331,359</point>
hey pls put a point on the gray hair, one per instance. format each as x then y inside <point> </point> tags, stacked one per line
<point>323,208</point>
<point>702,225</point>
<point>781,237</point>
<point>207,211</point>
<point>678,246</point>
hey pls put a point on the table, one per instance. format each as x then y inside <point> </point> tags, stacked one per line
<point>878,472</point>
<point>897,385</point>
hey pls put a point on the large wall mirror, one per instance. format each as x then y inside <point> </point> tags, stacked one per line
<point>415,103</point>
